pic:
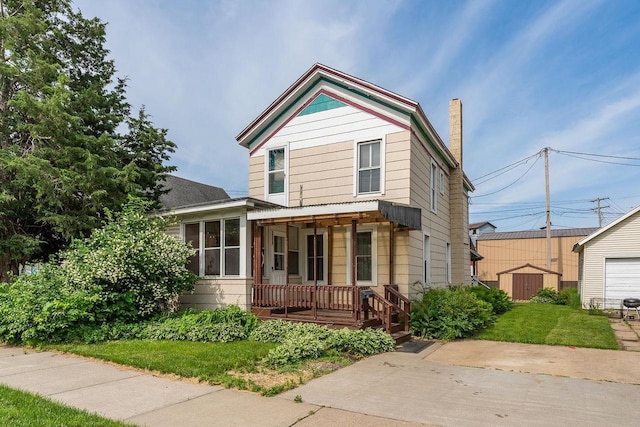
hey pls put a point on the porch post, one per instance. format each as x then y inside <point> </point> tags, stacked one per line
<point>391,253</point>
<point>354,246</point>
<point>329,254</point>
<point>314,298</point>
<point>257,264</point>
<point>286,269</point>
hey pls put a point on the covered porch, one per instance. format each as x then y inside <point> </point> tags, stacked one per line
<point>337,284</point>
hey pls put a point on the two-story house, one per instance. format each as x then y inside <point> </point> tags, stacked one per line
<point>362,194</point>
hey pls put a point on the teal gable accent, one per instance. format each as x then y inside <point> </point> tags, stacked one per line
<point>321,103</point>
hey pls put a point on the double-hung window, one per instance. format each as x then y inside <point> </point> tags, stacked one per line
<point>276,171</point>
<point>434,186</point>
<point>364,257</point>
<point>217,245</point>
<point>369,170</point>
<point>315,252</point>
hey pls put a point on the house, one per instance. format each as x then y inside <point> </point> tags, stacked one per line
<point>355,204</point>
<point>516,261</point>
<point>609,263</point>
<point>478,228</point>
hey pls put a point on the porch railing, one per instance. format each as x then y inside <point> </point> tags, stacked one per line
<point>392,309</point>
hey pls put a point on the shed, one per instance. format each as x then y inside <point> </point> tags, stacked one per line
<point>523,282</point>
<point>609,263</point>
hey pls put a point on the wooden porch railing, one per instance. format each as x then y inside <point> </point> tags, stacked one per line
<point>392,309</point>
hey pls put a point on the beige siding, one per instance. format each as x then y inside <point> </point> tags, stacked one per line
<point>501,255</point>
<point>217,293</point>
<point>619,241</point>
<point>256,177</point>
<point>173,231</point>
<point>435,224</point>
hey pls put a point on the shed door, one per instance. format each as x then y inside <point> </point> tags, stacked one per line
<point>621,280</point>
<point>526,285</point>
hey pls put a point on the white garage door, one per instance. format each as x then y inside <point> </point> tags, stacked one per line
<point>622,279</point>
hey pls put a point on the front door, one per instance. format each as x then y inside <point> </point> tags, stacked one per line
<point>278,275</point>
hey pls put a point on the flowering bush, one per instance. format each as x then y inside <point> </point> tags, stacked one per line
<point>127,271</point>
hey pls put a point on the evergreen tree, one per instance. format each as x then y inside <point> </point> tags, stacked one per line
<point>69,145</point>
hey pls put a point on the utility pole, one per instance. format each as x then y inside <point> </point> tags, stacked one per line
<point>548,202</point>
<point>599,208</point>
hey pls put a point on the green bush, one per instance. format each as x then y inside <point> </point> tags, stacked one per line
<point>301,341</point>
<point>499,299</point>
<point>567,296</point>
<point>449,313</point>
<point>130,270</point>
<point>364,342</point>
<point>572,297</point>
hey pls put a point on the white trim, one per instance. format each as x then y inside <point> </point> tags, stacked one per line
<point>441,182</point>
<point>447,262</point>
<point>356,167</point>
<point>279,198</point>
<point>373,229</point>
<point>433,187</point>
<point>578,246</point>
<point>426,258</point>
<point>304,254</point>
<point>209,207</point>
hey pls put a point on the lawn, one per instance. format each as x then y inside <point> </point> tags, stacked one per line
<point>552,324</point>
<point>235,364</point>
<point>18,408</point>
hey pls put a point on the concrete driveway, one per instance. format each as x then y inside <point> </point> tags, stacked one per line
<point>499,384</point>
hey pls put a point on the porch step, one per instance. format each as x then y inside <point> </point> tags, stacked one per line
<point>401,337</point>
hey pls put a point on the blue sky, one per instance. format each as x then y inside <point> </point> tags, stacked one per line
<point>530,74</point>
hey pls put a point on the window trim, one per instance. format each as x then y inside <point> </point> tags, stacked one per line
<point>448,277</point>
<point>304,254</point>
<point>222,248</point>
<point>373,229</point>
<point>433,191</point>
<point>426,259</point>
<point>281,198</point>
<point>441,182</point>
<point>356,167</point>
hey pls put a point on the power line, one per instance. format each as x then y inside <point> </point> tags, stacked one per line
<point>509,167</point>
<point>513,183</point>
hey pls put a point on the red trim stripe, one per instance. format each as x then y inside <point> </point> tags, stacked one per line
<point>336,97</point>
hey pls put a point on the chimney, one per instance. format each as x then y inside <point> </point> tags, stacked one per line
<point>458,202</point>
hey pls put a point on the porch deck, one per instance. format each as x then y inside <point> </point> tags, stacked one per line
<point>335,306</point>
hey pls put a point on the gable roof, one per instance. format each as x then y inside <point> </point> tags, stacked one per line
<point>597,232</point>
<point>536,234</point>
<point>322,80</point>
<point>530,266</point>
<point>480,224</point>
<point>184,192</point>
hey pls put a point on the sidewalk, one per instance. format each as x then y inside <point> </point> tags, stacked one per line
<point>135,397</point>
<point>627,332</point>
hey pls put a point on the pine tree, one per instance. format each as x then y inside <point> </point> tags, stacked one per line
<point>63,158</point>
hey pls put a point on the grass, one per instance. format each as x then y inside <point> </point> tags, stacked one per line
<point>19,408</point>
<point>232,365</point>
<point>207,362</point>
<point>552,324</point>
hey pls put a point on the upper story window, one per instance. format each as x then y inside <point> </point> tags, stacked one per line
<point>434,186</point>
<point>369,169</point>
<point>276,171</point>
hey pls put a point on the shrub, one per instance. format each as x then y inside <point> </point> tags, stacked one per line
<point>364,342</point>
<point>272,331</point>
<point>572,297</point>
<point>295,349</point>
<point>127,271</point>
<point>449,313</point>
<point>568,296</point>
<point>499,299</point>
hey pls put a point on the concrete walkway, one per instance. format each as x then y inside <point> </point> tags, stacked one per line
<point>458,384</point>
<point>627,332</point>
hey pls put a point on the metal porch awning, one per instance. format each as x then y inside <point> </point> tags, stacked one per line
<point>342,214</point>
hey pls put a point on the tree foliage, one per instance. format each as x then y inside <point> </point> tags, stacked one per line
<point>69,144</point>
<point>127,271</point>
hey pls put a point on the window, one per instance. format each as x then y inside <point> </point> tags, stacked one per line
<point>369,167</point>
<point>220,244</point>
<point>448,263</point>
<point>441,182</point>
<point>192,235</point>
<point>276,171</point>
<point>364,255</point>
<point>426,260</point>
<point>319,257</point>
<point>434,196</point>
<point>294,251</point>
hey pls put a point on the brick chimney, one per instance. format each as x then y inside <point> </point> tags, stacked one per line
<point>458,202</point>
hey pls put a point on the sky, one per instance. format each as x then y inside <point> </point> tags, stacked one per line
<point>530,74</point>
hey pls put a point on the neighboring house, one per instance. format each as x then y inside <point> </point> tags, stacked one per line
<point>478,228</point>
<point>609,263</point>
<point>516,261</point>
<point>184,192</point>
<point>350,189</point>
